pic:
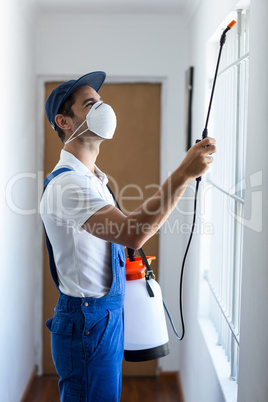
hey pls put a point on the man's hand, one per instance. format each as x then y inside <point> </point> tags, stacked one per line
<point>198,158</point>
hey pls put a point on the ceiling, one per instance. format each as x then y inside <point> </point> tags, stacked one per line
<point>182,8</point>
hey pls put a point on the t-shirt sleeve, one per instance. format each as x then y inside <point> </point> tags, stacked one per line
<point>77,199</point>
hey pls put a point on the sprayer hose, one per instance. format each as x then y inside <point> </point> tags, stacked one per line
<point>180,338</point>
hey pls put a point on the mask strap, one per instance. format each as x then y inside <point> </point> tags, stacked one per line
<point>71,138</point>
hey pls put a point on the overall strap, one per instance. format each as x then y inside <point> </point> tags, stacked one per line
<point>54,174</point>
<point>52,264</point>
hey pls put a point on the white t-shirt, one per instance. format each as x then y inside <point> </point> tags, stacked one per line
<point>83,261</point>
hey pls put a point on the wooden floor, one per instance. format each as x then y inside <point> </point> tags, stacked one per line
<point>134,389</point>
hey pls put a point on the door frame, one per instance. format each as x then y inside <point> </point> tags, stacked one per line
<point>40,141</point>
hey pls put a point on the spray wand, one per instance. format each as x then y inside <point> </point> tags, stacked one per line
<point>198,179</point>
<point>222,42</point>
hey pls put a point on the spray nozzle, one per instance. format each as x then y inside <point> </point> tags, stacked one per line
<point>223,36</point>
<point>232,23</point>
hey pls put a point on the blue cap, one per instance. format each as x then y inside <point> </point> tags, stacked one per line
<point>61,93</point>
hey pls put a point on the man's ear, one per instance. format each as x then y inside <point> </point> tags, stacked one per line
<point>63,121</point>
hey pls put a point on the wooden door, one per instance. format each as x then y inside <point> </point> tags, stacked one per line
<point>131,162</point>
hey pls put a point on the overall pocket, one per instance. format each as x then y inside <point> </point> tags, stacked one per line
<point>61,328</point>
<point>95,332</point>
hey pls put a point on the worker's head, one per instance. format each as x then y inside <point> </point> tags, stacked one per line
<point>74,103</point>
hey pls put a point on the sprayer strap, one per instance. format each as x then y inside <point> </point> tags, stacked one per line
<point>149,273</point>
<point>130,251</point>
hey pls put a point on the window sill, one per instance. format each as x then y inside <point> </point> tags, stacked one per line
<point>221,365</point>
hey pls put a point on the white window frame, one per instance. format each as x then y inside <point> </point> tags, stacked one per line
<point>223,202</point>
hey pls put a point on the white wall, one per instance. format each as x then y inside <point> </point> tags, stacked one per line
<point>129,48</point>
<point>198,377</point>
<point>254,323</point>
<point>17,230</point>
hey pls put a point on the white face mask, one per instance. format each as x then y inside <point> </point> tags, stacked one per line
<point>101,120</point>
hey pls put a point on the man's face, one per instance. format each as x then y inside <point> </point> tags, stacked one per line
<point>85,97</point>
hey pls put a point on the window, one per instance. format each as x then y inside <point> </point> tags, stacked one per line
<point>224,190</point>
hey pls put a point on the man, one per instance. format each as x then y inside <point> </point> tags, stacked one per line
<point>86,256</point>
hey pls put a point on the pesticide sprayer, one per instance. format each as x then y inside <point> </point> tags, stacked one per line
<point>145,330</point>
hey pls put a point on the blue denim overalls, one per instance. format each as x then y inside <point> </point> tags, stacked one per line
<point>87,336</point>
